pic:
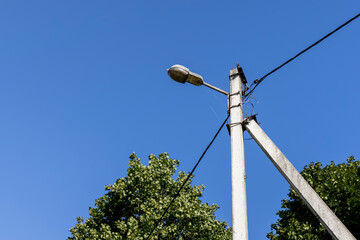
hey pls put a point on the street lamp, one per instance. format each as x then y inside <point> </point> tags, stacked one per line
<point>182,74</point>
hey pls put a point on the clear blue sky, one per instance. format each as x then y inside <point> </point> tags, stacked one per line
<point>83,85</point>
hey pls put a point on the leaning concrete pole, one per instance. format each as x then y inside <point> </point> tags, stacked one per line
<point>238,186</point>
<point>331,222</point>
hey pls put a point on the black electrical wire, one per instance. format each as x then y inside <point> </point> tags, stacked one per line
<point>188,177</point>
<point>258,81</point>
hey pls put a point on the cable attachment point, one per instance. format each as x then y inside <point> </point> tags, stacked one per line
<point>242,74</point>
<point>244,91</point>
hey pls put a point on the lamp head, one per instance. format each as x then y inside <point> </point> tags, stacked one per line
<point>182,74</point>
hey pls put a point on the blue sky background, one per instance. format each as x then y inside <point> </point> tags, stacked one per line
<point>83,85</point>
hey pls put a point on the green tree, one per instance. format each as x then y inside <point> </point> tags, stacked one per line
<point>338,185</point>
<point>133,204</point>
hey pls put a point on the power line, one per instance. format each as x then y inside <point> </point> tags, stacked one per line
<point>258,81</point>
<point>188,177</point>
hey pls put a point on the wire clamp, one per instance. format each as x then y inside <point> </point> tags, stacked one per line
<point>244,91</point>
<point>229,125</point>
<point>237,105</point>
<point>234,75</point>
<point>235,93</point>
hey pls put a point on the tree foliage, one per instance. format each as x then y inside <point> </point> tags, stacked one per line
<point>338,185</point>
<point>133,204</point>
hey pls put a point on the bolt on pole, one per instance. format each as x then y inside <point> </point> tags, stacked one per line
<point>238,184</point>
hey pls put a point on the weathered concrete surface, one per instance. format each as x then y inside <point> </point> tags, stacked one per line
<point>331,222</point>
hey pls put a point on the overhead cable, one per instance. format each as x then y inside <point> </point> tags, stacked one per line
<point>258,81</point>
<point>188,177</point>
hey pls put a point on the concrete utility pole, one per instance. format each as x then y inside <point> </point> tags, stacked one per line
<point>238,185</point>
<point>330,221</point>
<point>182,74</point>
<point>238,177</point>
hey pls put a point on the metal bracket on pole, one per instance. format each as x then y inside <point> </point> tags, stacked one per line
<point>330,221</point>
